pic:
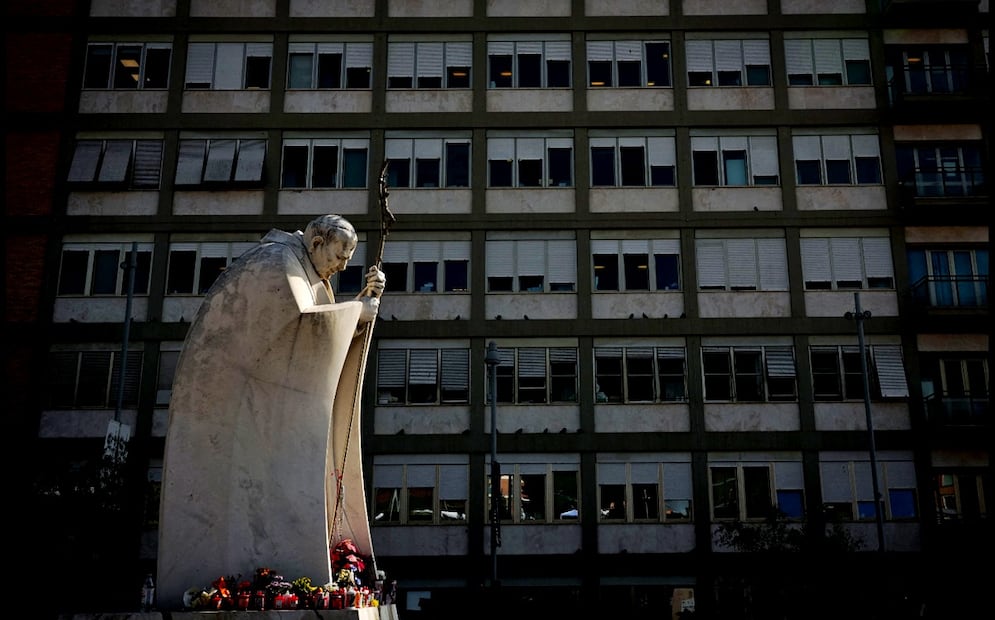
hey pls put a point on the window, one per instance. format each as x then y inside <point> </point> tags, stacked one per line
<point>117,164</point>
<point>628,64</point>
<point>837,372</point>
<point>637,374</point>
<point>633,161</point>
<point>221,161</point>
<point>228,66</point>
<point>429,376</point>
<point>756,490</point>
<point>427,266</point>
<point>929,69</point>
<point>92,269</point>
<point>939,170</point>
<point>644,491</point>
<point>959,496</point>
<point>848,487</point>
<point>127,66</point>
<point>531,265</point>
<point>949,278</point>
<point>538,493</point>
<point>424,64</point>
<point>329,65</point>
<point>324,163</point>
<point>352,279</point>
<point>165,375</point>
<point>529,162</point>
<point>91,379</point>
<point>636,264</point>
<point>536,375</point>
<point>728,62</point>
<point>749,374</point>
<point>734,160</point>
<point>528,64</point>
<point>193,267</point>
<point>847,263</point>
<point>828,62</point>
<point>741,264</point>
<point>837,160</point>
<point>419,494</point>
<point>428,162</point>
<point>955,388</point>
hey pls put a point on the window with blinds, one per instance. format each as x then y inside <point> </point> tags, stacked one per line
<point>756,490</point>
<point>628,64</point>
<point>127,65</point>
<point>633,161</point>
<point>91,269</point>
<point>758,264</point>
<point>530,161</point>
<point>749,374</point>
<point>529,63</point>
<point>325,163</point>
<point>228,66</point>
<point>848,489</point>
<point>531,265</point>
<point>536,375</point>
<point>221,161</point>
<point>853,159</point>
<point>419,493</point>
<point>734,160</point>
<point>423,376</point>
<point>429,162</point>
<point>92,379</point>
<point>639,374</point>
<point>827,62</point>
<point>429,64</point>
<point>732,62</point>
<point>117,163</point>
<point>636,264</point>
<point>838,263</point>
<point>193,267</point>
<point>643,490</point>
<point>427,266</point>
<point>837,372</point>
<point>329,64</point>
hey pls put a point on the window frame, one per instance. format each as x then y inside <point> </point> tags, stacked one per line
<point>516,372</point>
<point>658,156</point>
<point>831,263</point>
<point>406,482</point>
<point>613,383</point>
<point>769,374</point>
<point>533,265</point>
<point>115,63</point>
<point>715,55</point>
<point>512,151</point>
<point>730,264</point>
<point>841,476</point>
<point>807,60</point>
<point>415,60</point>
<point>354,63</point>
<point>211,156</point>
<point>95,159</point>
<point>222,57</point>
<point>861,150</point>
<point>452,172</point>
<point>343,170</point>
<point>556,50</point>
<point>637,473</point>
<point>615,52</point>
<point>523,475</point>
<point>883,362</point>
<point>202,254</point>
<point>412,363</point>
<point>95,374</point>
<point>758,154</point>
<point>85,281</point>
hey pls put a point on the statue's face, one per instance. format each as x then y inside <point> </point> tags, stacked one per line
<point>331,256</point>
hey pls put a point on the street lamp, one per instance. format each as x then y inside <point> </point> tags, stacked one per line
<point>492,359</point>
<point>861,316</point>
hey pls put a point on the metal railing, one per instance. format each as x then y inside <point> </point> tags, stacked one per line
<point>951,291</point>
<point>958,410</point>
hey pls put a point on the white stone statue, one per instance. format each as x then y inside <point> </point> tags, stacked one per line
<point>262,463</point>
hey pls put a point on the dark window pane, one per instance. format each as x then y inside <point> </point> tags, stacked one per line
<point>630,73</point>
<point>658,64</point>
<point>668,275</point>
<point>809,171</point>
<point>830,79</point>
<point>126,69</point>
<point>351,280</point>
<point>529,71</point>
<point>329,71</point>
<point>636,272</point>
<point>499,67</point>
<point>295,166</point>
<point>560,168</point>
<point>399,173</point>
<point>456,275</point>
<point>868,170</point>
<point>157,67</point>
<point>838,172</point>
<point>301,68</point>
<point>633,162</point>
<point>458,77</point>
<point>645,503</point>
<point>397,275</point>
<point>106,264</point>
<point>457,165</point>
<point>500,172</point>
<point>181,269</point>
<point>143,266</point>
<point>706,167</point>
<point>662,176</point>
<point>501,284</point>
<point>602,166</point>
<point>427,172</point>
<point>434,81</point>
<point>725,493</point>
<point>699,78</point>
<point>98,66</point>
<point>600,72</point>
<point>758,75</point>
<point>325,166</point>
<point>357,77</point>
<point>558,73</point>
<point>756,481</point>
<point>858,72</point>
<point>530,173</point>
<point>210,268</point>
<point>257,72</point>
<point>426,277</point>
<point>606,272</point>
<point>72,276</point>
<point>730,78</point>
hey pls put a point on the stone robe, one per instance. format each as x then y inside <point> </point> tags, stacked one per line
<point>264,415</point>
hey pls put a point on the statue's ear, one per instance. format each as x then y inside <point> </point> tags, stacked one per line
<point>316,241</point>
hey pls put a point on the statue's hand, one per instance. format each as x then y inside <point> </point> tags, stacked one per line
<point>376,282</point>
<point>371,306</point>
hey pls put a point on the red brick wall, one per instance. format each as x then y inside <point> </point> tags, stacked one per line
<point>25,269</point>
<point>37,70</point>
<point>30,169</point>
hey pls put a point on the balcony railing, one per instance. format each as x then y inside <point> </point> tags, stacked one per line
<point>951,291</point>
<point>947,183</point>
<point>961,410</point>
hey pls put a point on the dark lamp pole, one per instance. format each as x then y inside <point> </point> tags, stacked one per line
<point>860,316</point>
<point>492,360</point>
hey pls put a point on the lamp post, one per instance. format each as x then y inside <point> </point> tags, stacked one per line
<point>492,360</point>
<point>860,316</point>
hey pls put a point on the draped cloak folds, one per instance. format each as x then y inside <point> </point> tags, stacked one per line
<point>263,417</point>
